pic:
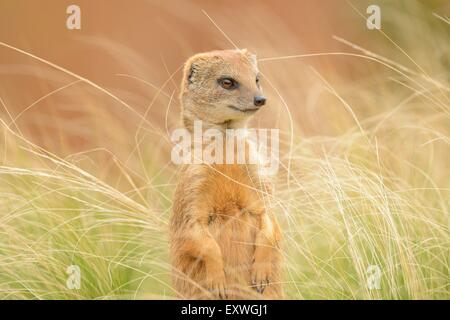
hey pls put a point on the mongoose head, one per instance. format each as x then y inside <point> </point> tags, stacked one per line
<point>221,87</point>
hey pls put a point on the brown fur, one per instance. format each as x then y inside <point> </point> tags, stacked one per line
<point>224,238</point>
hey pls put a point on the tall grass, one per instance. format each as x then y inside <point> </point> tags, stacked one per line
<point>363,184</point>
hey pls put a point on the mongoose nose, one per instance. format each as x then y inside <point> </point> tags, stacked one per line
<point>259,101</point>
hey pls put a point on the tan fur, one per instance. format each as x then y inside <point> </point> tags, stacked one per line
<point>224,239</point>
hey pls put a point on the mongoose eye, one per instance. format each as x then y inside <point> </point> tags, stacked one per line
<point>257,81</point>
<point>228,83</point>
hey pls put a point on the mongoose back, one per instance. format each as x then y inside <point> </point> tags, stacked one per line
<point>224,240</point>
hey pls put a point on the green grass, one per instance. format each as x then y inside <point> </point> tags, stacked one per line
<point>343,210</point>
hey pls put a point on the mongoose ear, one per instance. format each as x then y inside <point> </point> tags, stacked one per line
<point>251,56</point>
<point>191,73</point>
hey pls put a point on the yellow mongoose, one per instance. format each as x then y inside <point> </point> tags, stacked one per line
<point>224,242</point>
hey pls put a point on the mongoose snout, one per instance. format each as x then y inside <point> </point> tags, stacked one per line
<point>259,101</point>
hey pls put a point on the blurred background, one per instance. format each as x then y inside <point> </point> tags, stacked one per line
<point>342,96</point>
<point>133,49</point>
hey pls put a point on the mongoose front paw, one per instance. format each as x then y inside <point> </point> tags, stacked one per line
<point>260,275</point>
<point>216,284</point>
